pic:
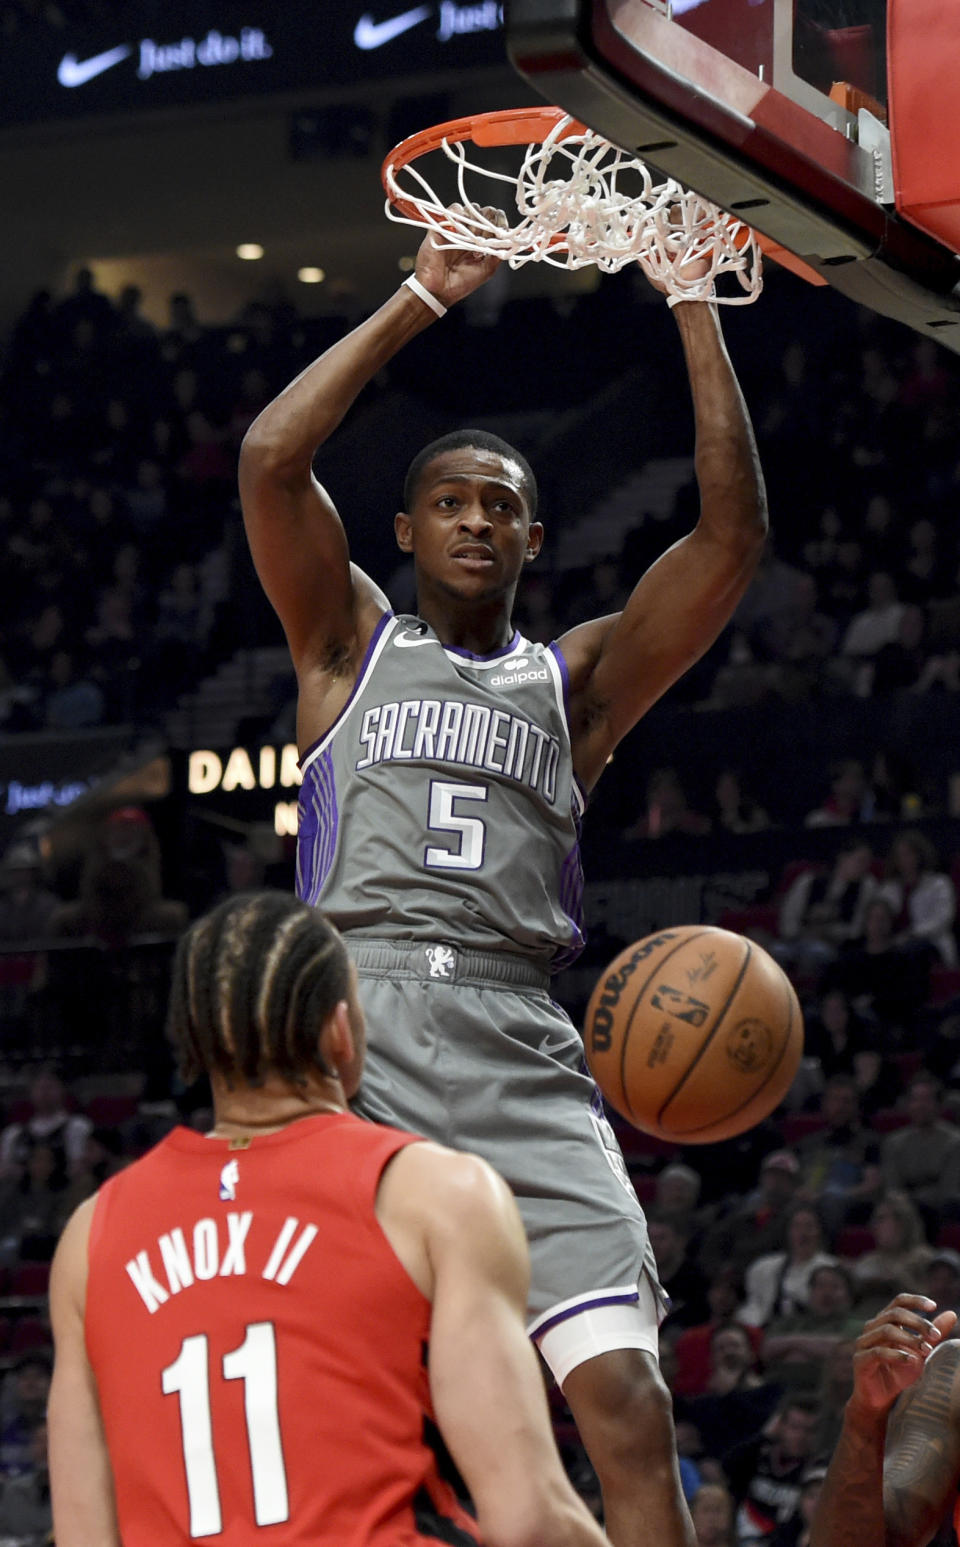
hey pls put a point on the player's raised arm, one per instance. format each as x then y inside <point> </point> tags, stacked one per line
<point>81,1479</point>
<point>487,1390</point>
<point>621,665</point>
<point>299,547</point>
<point>893,1474</point>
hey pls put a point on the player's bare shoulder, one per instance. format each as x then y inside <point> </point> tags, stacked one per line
<point>437,1204</point>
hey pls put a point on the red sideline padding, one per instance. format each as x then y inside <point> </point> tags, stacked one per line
<point>923,46</point>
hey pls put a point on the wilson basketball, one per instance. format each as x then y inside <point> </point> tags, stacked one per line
<point>694,1034</point>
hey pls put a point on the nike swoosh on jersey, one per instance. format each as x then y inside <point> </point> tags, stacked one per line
<point>546,1046</point>
<point>404,643</point>
<point>368,34</point>
<point>72,71</point>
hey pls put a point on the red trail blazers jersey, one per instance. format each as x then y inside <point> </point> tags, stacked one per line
<point>258,1349</point>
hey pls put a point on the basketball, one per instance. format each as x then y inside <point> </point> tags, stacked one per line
<point>693,1034</point>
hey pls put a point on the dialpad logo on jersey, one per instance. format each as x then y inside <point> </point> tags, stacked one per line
<point>229,1181</point>
<point>441,960</point>
<point>518,669</point>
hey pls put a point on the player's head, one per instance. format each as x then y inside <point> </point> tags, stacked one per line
<point>263,989</point>
<point>471,440</point>
<point>470,503</point>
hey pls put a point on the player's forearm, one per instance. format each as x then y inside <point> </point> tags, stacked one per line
<point>850,1509</point>
<point>285,436</point>
<point>733,500</point>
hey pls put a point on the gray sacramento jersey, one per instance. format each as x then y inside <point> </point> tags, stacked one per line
<point>442,803</point>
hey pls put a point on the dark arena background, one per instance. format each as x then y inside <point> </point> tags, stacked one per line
<point>192,211</point>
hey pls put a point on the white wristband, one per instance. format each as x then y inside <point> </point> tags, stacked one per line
<point>674,300</point>
<point>414,284</point>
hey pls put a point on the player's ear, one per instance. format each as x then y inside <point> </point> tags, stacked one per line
<point>341,1045</point>
<point>534,541</point>
<point>403,529</point>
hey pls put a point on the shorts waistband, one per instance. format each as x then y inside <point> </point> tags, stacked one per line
<point>440,962</point>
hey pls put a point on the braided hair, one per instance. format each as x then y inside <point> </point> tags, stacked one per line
<point>254,981</point>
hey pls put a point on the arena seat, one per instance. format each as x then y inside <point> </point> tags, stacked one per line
<point>29,1278</point>
<point>854,1240</point>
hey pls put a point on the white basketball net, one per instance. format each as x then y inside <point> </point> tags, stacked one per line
<point>574,211</point>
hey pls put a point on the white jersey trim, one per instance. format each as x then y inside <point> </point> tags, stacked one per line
<point>389,630</point>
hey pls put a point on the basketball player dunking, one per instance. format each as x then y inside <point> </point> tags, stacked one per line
<point>445,766</point>
<point>242,1317</point>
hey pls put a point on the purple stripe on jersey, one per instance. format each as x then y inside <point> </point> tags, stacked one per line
<point>571,901</point>
<point>560,659</point>
<point>318,828</point>
<point>494,655</point>
<point>597,1303</point>
<point>387,618</point>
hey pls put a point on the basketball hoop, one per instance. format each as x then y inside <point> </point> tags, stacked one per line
<point>580,200</point>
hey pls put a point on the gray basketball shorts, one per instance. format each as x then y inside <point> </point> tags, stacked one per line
<point>468,1049</point>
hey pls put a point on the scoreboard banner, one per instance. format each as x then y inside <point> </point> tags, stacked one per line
<point>218,50</point>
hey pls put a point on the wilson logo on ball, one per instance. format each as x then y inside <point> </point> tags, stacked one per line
<point>601,1029</point>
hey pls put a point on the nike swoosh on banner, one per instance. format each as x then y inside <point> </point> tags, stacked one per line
<point>546,1046</point>
<point>72,71</point>
<point>411,644</point>
<point>369,34</point>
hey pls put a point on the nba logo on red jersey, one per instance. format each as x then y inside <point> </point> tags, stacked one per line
<point>229,1179</point>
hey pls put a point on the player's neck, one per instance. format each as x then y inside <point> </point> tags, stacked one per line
<point>243,1111</point>
<point>477,627</point>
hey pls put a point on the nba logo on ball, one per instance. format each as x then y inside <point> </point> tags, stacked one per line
<point>738,1053</point>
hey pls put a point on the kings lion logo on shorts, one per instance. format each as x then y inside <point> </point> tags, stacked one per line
<point>441,960</point>
<point>749,1046</point>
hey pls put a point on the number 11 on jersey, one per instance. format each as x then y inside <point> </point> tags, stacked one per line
<point>255,1363</point>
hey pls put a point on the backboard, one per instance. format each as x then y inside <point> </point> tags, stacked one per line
<point>832,126</point>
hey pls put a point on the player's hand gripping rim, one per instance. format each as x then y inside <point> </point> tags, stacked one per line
<point>891,1351</point>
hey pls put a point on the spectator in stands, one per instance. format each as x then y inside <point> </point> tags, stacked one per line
<point>25,1512</point>
<point>923,1159</point>
<point>796,1346</point>
<point>899,664</point>
<point>757,1224</point>
<point>898,1260</point>
<point>844,804</point>
<point>679,1274</point>
<point>668,810</point>
<point>22,1407</point>
<point>120,891</point>
<point>879,977</point>
<point>50,1124</point>
<point>795,1532</point>
<point>879,622</point>
<point>836,1388</point>
<point>103,1156</point>
<point>33,1207</point>
<point>766,1472</point>
<point>840,1163</point>
<point>835,1033</point>
<point>712,1513</point>
<point>941,1281</point>
<point>26,906</point>
<point>778,1282</point>
<point>737,1401</point>
<point>821,912</point>
<point>73,700</point>
<point>922,898</point>
<point>736,811</point>
<point>693,1346</point>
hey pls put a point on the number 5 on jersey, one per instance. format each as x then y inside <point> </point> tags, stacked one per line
<point>445,815</point>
